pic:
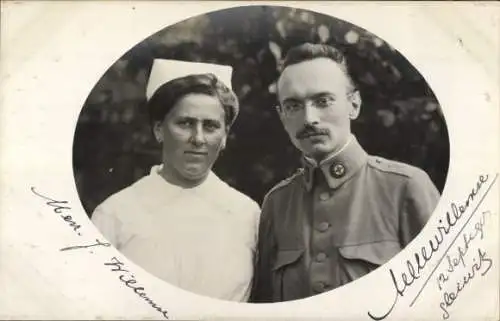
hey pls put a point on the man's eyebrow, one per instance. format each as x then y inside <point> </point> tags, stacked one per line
<point>323,93</point>
<point>291,99</point>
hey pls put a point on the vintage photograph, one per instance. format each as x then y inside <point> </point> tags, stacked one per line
<point>261,153</point>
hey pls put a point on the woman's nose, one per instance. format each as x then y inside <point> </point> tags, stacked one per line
<point>198,136</point>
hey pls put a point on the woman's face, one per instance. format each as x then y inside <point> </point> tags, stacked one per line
<point>193,133</point>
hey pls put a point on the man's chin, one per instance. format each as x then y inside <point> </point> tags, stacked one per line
<point>318,151</point>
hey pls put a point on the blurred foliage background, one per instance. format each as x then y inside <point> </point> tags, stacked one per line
<point>400,116</point>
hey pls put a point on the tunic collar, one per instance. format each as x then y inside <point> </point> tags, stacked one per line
<point>338,167</point>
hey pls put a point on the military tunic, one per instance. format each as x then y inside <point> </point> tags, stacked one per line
<point>332,223</point>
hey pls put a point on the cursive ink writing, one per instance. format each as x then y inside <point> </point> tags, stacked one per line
<point>128,279</point>
<point>59,207</point>
<point>454,262</point>
<point>98,243</point>
<point>450,297</point>
<point>413,267</point>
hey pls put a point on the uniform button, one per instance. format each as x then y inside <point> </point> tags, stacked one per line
<point>319,287</point>
<point>320,257</point>
<point>337,170</point>
<point>324,196</point>
<point>323,226</point>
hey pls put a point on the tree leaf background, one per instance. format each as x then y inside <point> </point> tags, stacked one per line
<point>400,116</point>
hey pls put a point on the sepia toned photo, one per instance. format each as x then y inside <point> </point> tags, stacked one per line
<point>235,160</point>
<point>261,154</point>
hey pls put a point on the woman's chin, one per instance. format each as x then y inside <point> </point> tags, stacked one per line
<point>195,173</point>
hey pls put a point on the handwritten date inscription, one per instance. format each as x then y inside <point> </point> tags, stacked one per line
<point>459,271</point>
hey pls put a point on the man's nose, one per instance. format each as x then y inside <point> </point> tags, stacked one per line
<point>310,114</point>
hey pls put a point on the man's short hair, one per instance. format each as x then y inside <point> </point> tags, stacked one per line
<point>310,51</point>
<point>165,97</point>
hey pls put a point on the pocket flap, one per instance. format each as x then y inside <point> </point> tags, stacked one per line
<point>376,252</point>
<point>285,257</point>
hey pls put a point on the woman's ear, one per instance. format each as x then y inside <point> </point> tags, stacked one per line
<point>222,145</point>
<point>158,131</point>
<point>355,99</point>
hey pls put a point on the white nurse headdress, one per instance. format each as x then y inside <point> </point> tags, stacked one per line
<point>165,70</point>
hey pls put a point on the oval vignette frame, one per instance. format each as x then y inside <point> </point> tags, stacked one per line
<point>88,291</point>
<point>394,95</point>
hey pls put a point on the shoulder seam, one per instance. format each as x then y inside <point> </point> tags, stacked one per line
<point>120,196</point>
<point>283,183</point>
<point>409,173</point>
<point>240,196</point>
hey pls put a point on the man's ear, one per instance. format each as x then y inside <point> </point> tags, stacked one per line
<point>355,99</point>
<point>279,110</point>
<point>158,131</point>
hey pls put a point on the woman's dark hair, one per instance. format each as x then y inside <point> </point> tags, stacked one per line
<point>167,95</point>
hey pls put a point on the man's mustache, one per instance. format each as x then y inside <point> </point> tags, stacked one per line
<point>311,131</point>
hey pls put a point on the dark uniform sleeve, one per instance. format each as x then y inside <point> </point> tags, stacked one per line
<point>266,250</point>
<point>421,198</point>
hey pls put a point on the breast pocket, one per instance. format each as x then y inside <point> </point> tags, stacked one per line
<point>288,275</point>
<point>358,260</point>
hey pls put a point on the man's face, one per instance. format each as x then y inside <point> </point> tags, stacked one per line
<point>317,105</point>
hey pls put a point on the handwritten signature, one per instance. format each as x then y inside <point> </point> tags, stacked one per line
<point>129,280</point>
<point>446,224</point>
<point>97,243</point>
<point>59,207</point>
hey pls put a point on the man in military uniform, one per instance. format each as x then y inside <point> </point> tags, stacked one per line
<point>346,212</point>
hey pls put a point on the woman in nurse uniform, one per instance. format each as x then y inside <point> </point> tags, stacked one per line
<point>181,222</point>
